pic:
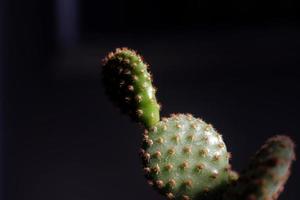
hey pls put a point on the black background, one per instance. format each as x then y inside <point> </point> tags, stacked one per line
<point>232,63</point>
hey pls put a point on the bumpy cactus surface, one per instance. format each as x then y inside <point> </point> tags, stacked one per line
<point>185,158</point>
<point>267,172</point>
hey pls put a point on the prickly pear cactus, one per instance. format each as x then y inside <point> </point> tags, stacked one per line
<point>129,85</point>
<point>185,158</point>
<point>267,172</point>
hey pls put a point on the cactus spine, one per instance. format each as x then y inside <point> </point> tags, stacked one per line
<point>185,158</point>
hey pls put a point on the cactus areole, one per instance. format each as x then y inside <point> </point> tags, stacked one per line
<point>183,157</point>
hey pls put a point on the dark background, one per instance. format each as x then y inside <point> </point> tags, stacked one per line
<point>232,63</point>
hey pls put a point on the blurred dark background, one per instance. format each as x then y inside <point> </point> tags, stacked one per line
<point>232,63</point>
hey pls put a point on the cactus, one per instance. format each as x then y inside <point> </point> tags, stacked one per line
<point>184,157</point>
<point>267,173</point>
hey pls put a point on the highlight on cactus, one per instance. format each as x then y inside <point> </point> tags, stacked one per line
<point>183,157</point>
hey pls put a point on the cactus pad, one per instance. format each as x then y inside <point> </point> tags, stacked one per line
<point>267,173</point>
<point>129,85</point>
<point>185,158</point>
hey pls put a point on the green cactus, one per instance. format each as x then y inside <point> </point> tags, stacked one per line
<point>185,158</point>
<point>128,84</point>
<point>267,173</point>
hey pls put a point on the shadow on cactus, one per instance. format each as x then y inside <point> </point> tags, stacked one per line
<point>184,157</point>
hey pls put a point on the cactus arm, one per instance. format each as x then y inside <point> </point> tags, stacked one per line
<point>129,85</point>
<point>267,173</point>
